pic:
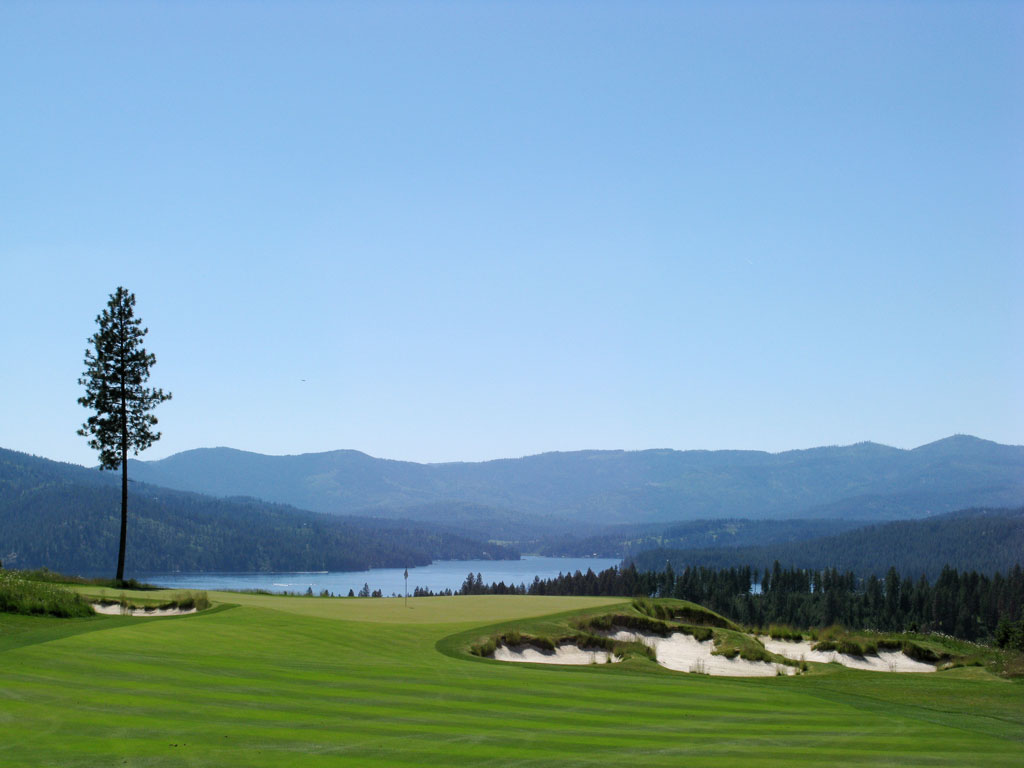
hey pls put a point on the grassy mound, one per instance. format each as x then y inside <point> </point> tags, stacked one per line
<point>21,595</point>
<point>590,630</point>
<point>681,611</point>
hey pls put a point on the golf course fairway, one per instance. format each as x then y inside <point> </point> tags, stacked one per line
<point>263,680</point>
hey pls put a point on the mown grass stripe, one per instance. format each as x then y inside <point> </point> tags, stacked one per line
<point>259,686</point>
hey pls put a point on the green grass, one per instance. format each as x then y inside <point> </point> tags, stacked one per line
<point>23,596</point>
<point>272,681</point>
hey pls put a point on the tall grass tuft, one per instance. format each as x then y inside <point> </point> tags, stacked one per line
<point>20,595</point>
<point>784,632</point>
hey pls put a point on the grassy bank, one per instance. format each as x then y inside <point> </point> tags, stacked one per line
<point>310,681</point>
<point>39,598</point>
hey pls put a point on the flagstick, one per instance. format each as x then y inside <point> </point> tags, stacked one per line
<point>405,602</point>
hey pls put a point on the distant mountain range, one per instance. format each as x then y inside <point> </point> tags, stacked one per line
<point>67,518</point>
<point>866,481</point>
<point>982,540</point>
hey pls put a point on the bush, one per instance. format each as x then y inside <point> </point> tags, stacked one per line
<point>485,648</point>
<point>1010,634</point>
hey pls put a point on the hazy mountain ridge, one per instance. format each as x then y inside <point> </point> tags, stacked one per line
<point>66,517</point>
<point>628,540</point>
<point>983,540</point>
<point>865,480</point>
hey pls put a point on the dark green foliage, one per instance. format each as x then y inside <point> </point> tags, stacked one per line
<point>77,509</point>
<point>965,605</point>
<point>631,539</point>
<point>1010,634</point>
<point>983,540</point>
<point>21,595</point>
<point>116,371</point>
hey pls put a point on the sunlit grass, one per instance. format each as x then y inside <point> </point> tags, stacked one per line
<point>328,681</point>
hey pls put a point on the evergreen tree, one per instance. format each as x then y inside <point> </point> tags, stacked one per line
<point>116,371</point>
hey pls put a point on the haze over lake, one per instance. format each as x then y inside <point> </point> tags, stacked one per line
<point>438,576</point>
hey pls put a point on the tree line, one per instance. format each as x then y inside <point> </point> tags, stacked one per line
<point>964,604</point>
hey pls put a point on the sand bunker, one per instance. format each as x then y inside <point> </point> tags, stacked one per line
<point>685,653</point>
<point>116,609</point>
<point>563,654</point>
<point>885,661</point>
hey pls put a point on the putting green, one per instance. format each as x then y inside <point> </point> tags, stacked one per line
<point>319,681</point>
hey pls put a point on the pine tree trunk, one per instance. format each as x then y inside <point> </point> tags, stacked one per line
<point>124,493</point>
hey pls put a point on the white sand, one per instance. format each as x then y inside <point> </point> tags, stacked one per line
<point>563,654</point>
<point>685,653</point>
<point>115,609</point>
<point>885,661</point>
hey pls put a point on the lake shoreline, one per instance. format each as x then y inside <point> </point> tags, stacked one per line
<point>437,577</point>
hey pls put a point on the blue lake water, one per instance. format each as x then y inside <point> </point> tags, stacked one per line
<point>438,576</point>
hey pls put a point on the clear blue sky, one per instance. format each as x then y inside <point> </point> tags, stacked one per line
<point>467,230</point>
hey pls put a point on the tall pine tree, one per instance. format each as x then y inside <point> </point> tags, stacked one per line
<point>116,371</point>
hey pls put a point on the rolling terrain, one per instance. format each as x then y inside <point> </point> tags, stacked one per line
<point>865,481</point>
<point>982,540</point>
<point>267,681</point>
<point>67,518</point>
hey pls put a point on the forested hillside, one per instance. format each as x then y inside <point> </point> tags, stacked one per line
<point>630,540</point>
<point>66,518</point>
<point>982,540</point>
<point>866,481</point>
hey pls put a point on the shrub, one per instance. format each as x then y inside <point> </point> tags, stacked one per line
<point>1010,634</point>
<point>485,648</point>
<point>850,648</point>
